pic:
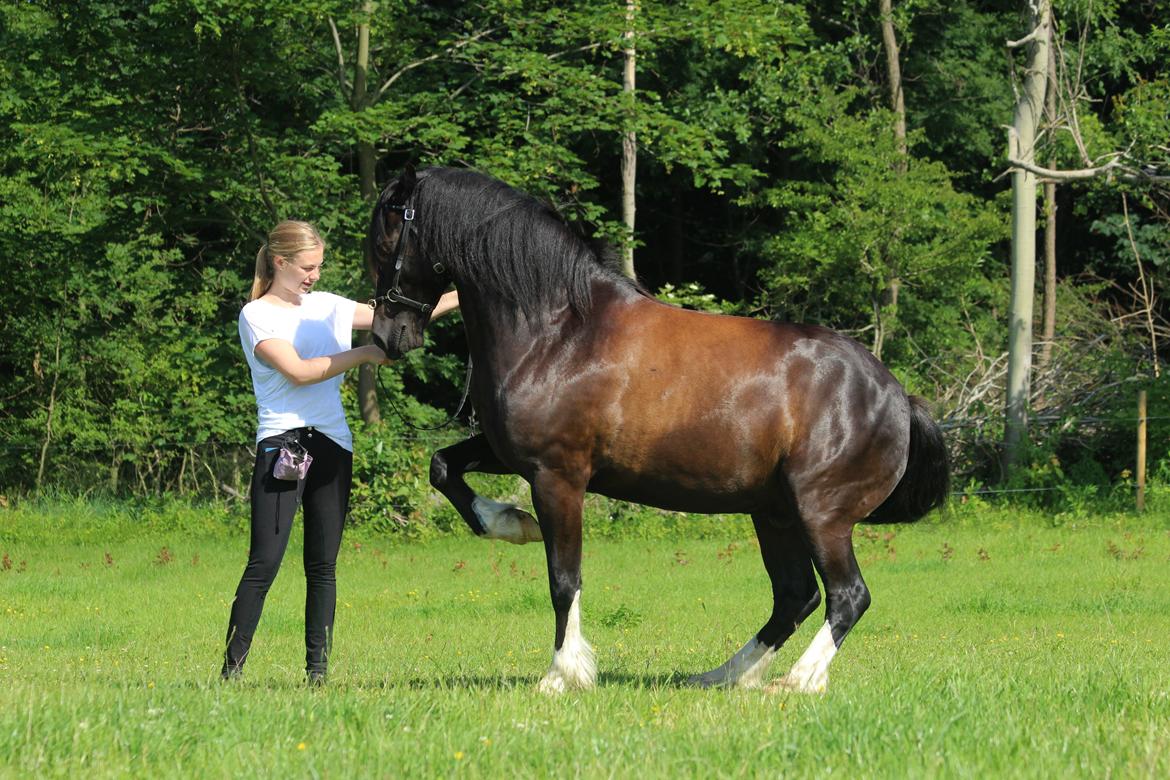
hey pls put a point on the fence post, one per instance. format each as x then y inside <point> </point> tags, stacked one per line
<point>1141,452</point>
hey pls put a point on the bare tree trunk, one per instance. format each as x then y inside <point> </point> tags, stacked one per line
<point>629,143</point>
<point>360,100</point>
<point>894,76</point>
<point>1147,289</point>
<point>886,309</point>
<point>1049,328</point>
<point>1021,140</point>
<point>51,410</point>
<point>367,161</point>
<point>885,312</point>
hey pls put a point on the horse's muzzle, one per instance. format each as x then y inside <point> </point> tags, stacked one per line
<point>397,336</point>
<point>374,337</point>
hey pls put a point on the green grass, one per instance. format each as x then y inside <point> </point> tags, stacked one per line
<point>994,647</point>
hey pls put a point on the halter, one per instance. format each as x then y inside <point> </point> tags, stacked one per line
<point>394,294</point>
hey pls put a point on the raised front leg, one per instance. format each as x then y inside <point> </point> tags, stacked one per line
<point>794,597</point>
<point>558,506</point>
<point>487,518</point>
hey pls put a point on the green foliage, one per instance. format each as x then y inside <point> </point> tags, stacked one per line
<point>1134,240</point>
<point>1143,120</point>
<point>146,148</point>
<point>693,296</point>
<point>869,222</point>
<point>391,487</point>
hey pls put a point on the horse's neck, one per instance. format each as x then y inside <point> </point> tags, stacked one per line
<point>500,336</point>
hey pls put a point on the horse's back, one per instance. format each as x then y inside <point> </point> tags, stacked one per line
<point>708,412</point>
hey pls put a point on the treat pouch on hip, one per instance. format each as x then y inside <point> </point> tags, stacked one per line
<point>293,461</point>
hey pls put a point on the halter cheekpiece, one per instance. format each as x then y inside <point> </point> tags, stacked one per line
<point>394,294</point>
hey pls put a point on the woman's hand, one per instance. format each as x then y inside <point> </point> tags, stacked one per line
<point>448,302</point>
<point>375,355</point>
<point>363,315</point>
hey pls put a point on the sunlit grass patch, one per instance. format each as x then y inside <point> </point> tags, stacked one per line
<point>1005,650</point>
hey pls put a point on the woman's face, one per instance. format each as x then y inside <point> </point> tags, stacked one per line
<point>299,274</point>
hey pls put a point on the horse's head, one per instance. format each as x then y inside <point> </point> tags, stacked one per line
<point>408,285</point>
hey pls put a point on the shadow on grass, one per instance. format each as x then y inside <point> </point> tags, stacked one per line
<point>450,682</point>
<point>521,682</point>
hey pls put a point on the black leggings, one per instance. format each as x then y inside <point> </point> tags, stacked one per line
<point>325,495</point>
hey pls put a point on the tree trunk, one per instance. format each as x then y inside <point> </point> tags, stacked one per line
<point>894,76</point>
<point>1021,138</point>
<point>360,99</point>
<point>1049,328</point>
<point>367,161</point>
<point>629,144</point>
<point>52,408</point>
<point>887,305</point>
<point>885,312</point>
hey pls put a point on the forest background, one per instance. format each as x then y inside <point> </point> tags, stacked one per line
<point>146,147</point>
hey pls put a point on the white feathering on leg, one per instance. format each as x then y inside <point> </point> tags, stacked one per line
<point>811,673</point>
<point>745,669</point>
<point>574,665</point>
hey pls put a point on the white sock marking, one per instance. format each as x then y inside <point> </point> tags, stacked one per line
<point>505,521</point>
<point>746,668</point>
<point>811,673</point>
<point>574,665</point>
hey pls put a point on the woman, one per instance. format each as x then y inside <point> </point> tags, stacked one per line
<point>297,344</point>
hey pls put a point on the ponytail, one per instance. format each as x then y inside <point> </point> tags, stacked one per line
<point>288,239</point>
<point>264,273</point>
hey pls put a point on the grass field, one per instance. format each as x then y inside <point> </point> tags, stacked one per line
<point>999,648</point>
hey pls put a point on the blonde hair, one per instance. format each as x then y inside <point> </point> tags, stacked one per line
<point>288,239</point>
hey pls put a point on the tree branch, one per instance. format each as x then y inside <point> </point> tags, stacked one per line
<point>578,50</point>
<point>342,84</point>
<point>463,87</point>
<point>1147,294</point>
<point>411,66</point>
<point>1113,168</point>
<point>1035,35</point>
<point>1055,175</point>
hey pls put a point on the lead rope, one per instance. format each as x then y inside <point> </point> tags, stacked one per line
<point>390,399</point>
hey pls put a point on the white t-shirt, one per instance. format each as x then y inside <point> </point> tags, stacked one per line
<point>322,325</point>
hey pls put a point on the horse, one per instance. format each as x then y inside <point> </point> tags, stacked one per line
<point>584,382</point>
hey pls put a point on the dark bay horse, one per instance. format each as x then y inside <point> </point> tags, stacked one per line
<point>583,382</point>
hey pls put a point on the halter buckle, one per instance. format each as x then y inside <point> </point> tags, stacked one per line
<point>407,214</point>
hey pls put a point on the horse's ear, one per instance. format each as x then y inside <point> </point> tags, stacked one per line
<point>407,181</point>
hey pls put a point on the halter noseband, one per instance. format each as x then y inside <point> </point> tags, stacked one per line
<point>394,294</point>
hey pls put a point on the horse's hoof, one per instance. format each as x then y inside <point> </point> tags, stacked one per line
<point>707,680</point>
<point>713,680</point>
<point>525,530</point>
<point>790,684</point>
<point>506,522</point>
<point>552,685</point>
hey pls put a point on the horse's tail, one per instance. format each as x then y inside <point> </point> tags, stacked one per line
<point>926,481</point>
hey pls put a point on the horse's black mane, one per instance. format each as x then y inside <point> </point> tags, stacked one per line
<point>507,243</point>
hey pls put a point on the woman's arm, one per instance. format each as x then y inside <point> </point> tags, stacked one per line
<point>448,302</point>
<point>363,315</point>
<point>282,356</point>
